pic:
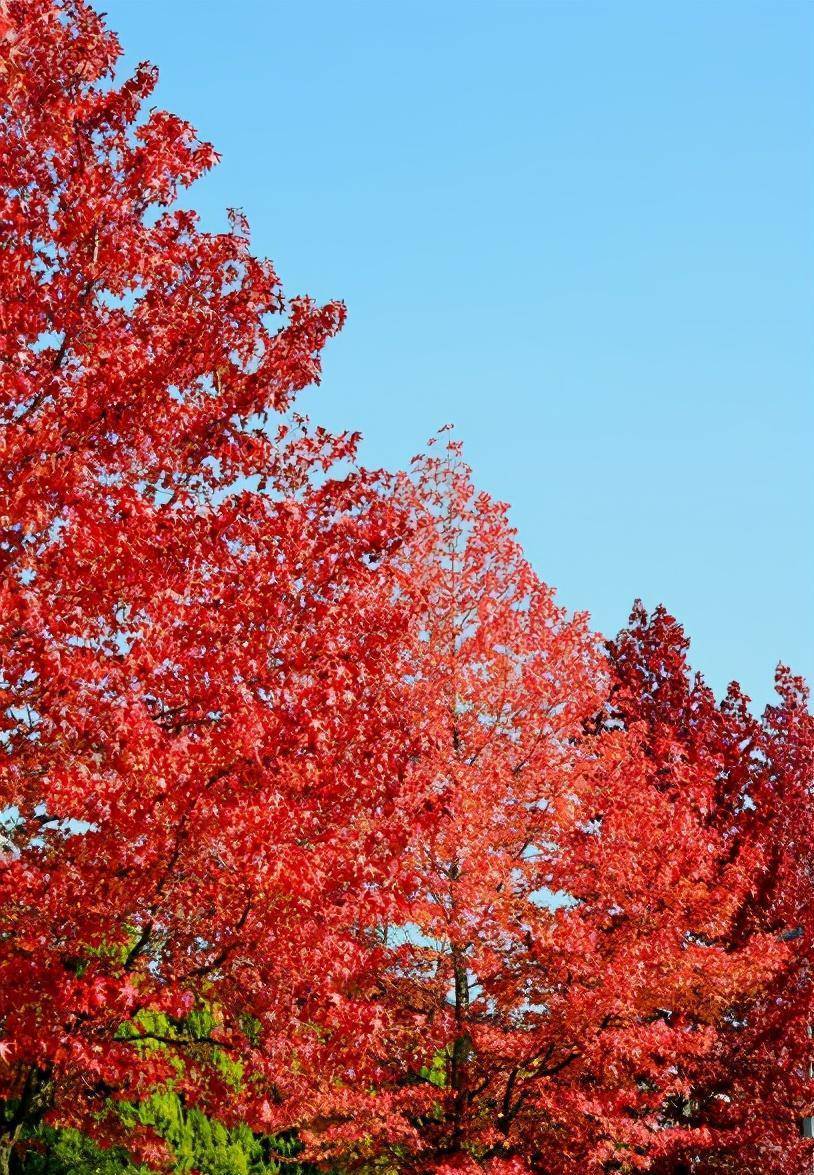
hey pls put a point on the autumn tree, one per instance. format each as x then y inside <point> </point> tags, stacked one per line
<point>201,774</point>
<point>568,958</point>
<point>746,1094</point>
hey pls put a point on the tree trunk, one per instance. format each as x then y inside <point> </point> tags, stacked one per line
<point>462,1045</point>
<point>8,1160</point>
<point>34,1102</point>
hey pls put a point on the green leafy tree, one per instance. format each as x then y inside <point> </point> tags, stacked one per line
<point>198,1144</point>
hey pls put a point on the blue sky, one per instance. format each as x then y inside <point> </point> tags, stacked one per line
<point>584,233</point>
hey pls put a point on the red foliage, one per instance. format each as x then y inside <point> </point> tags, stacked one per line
<point>315,752</point>
<point>745,1098</point>
<point>192,698</point>
<point>573,957</point>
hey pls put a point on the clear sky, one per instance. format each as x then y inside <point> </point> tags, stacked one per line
<point>584,233</point>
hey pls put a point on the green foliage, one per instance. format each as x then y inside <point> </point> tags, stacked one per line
<point>154,1030</point>
<point>436,1073</point>
<point>67,1152</point>
<point>197,1143</point>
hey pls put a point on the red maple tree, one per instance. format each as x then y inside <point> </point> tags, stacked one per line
<point>745,1097</point>
<point>194,620</point>
<point>570,960</point>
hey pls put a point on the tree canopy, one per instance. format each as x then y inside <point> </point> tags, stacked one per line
<point>330,839</point>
